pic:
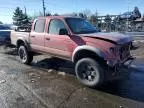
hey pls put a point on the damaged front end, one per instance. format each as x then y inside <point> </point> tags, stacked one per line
<point>119,67</point>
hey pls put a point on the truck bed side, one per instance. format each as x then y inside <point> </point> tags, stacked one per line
<point>15,36</point>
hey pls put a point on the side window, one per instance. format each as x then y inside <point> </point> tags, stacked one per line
<point>55,25</point>
<point>39,26</point>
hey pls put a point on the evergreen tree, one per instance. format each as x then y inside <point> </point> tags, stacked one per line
<point>1,22</point>
<point>26,20</point>
<point>20,19</point>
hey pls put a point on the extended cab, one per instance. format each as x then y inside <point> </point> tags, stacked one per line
<point>96,55</point>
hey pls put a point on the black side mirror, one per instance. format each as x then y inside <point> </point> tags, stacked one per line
<point>63,31</point>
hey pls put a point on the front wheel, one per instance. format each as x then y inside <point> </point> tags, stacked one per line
<point>89,72</point>
<point>25,56</point>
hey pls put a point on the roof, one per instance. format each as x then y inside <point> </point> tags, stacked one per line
<point>60,17</point>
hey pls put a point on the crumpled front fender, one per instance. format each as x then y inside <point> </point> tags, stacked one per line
<point>97,51</point>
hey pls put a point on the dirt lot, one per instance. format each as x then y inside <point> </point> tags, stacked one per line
<point>51,83</point>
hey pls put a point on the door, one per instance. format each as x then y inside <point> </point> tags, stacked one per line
<point>37,35</point>
<point>60,45</point>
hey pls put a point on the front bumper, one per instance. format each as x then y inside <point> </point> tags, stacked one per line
<point>119,70</point>
<point>127,61</point>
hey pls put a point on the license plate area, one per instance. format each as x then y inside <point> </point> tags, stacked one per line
<point>124,51</point>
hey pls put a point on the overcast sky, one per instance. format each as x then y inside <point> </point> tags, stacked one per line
<point>103,7</point>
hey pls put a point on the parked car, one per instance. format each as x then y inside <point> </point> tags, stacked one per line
<point>98,57</point>
<point>5,32</point>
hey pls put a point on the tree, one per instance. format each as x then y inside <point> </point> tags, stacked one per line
<point>20,19</point>
<point>137,12</point>
<point>94,19</point>
<point>108,22</point>
<point>36,15</point>
<point>116,23</point>
<point>87,13</point>
<point>40,14</point>
<point>56,14</point>
<point>107,19</point>
<point>143,17</point>
<point>1,22</point>
<point>26,20</point>
<point>74,14</point>
<point>48,14</point>
<point>82,15</point>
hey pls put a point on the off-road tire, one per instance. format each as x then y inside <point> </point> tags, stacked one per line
<point>89,72</point>
<point>25,56</point>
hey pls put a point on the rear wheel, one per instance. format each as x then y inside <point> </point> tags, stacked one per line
<point>25,56</point>
<point>89,72</point>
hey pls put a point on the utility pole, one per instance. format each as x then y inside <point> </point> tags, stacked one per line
<point>44,8</point>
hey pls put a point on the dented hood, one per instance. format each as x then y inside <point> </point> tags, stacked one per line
<point>111,37</point>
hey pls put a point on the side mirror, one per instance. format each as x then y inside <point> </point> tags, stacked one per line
<point>63,31</point>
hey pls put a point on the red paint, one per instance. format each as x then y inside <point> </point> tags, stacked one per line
<point>64,45</point>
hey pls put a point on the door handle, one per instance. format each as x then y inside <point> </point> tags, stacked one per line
<point>47,38</point>
<point>33,36</point>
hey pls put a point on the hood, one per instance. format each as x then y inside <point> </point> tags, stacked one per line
<point>111,37</point>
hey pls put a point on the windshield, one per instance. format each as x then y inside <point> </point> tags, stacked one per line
<point>80,26</point>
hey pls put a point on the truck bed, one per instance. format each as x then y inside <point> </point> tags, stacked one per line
<point>19,35</point>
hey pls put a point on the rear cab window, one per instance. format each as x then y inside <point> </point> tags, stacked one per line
<point>40,26</point>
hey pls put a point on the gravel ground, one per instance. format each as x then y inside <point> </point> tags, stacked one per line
<point>51,83</point>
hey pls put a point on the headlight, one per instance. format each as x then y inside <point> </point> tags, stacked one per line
<point>112,50</point>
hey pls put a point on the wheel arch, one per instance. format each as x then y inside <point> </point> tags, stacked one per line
<point>87,51</point>
<point>24,42</point>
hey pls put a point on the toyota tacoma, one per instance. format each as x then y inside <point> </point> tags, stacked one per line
<point>97,56</point>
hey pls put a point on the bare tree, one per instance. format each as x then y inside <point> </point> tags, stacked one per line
<point>87,12</point>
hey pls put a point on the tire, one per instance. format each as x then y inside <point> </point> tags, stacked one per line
<point>89,72</point>
<point>25,56</point>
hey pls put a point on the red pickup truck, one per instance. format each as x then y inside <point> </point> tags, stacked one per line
<point>97,55</point>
